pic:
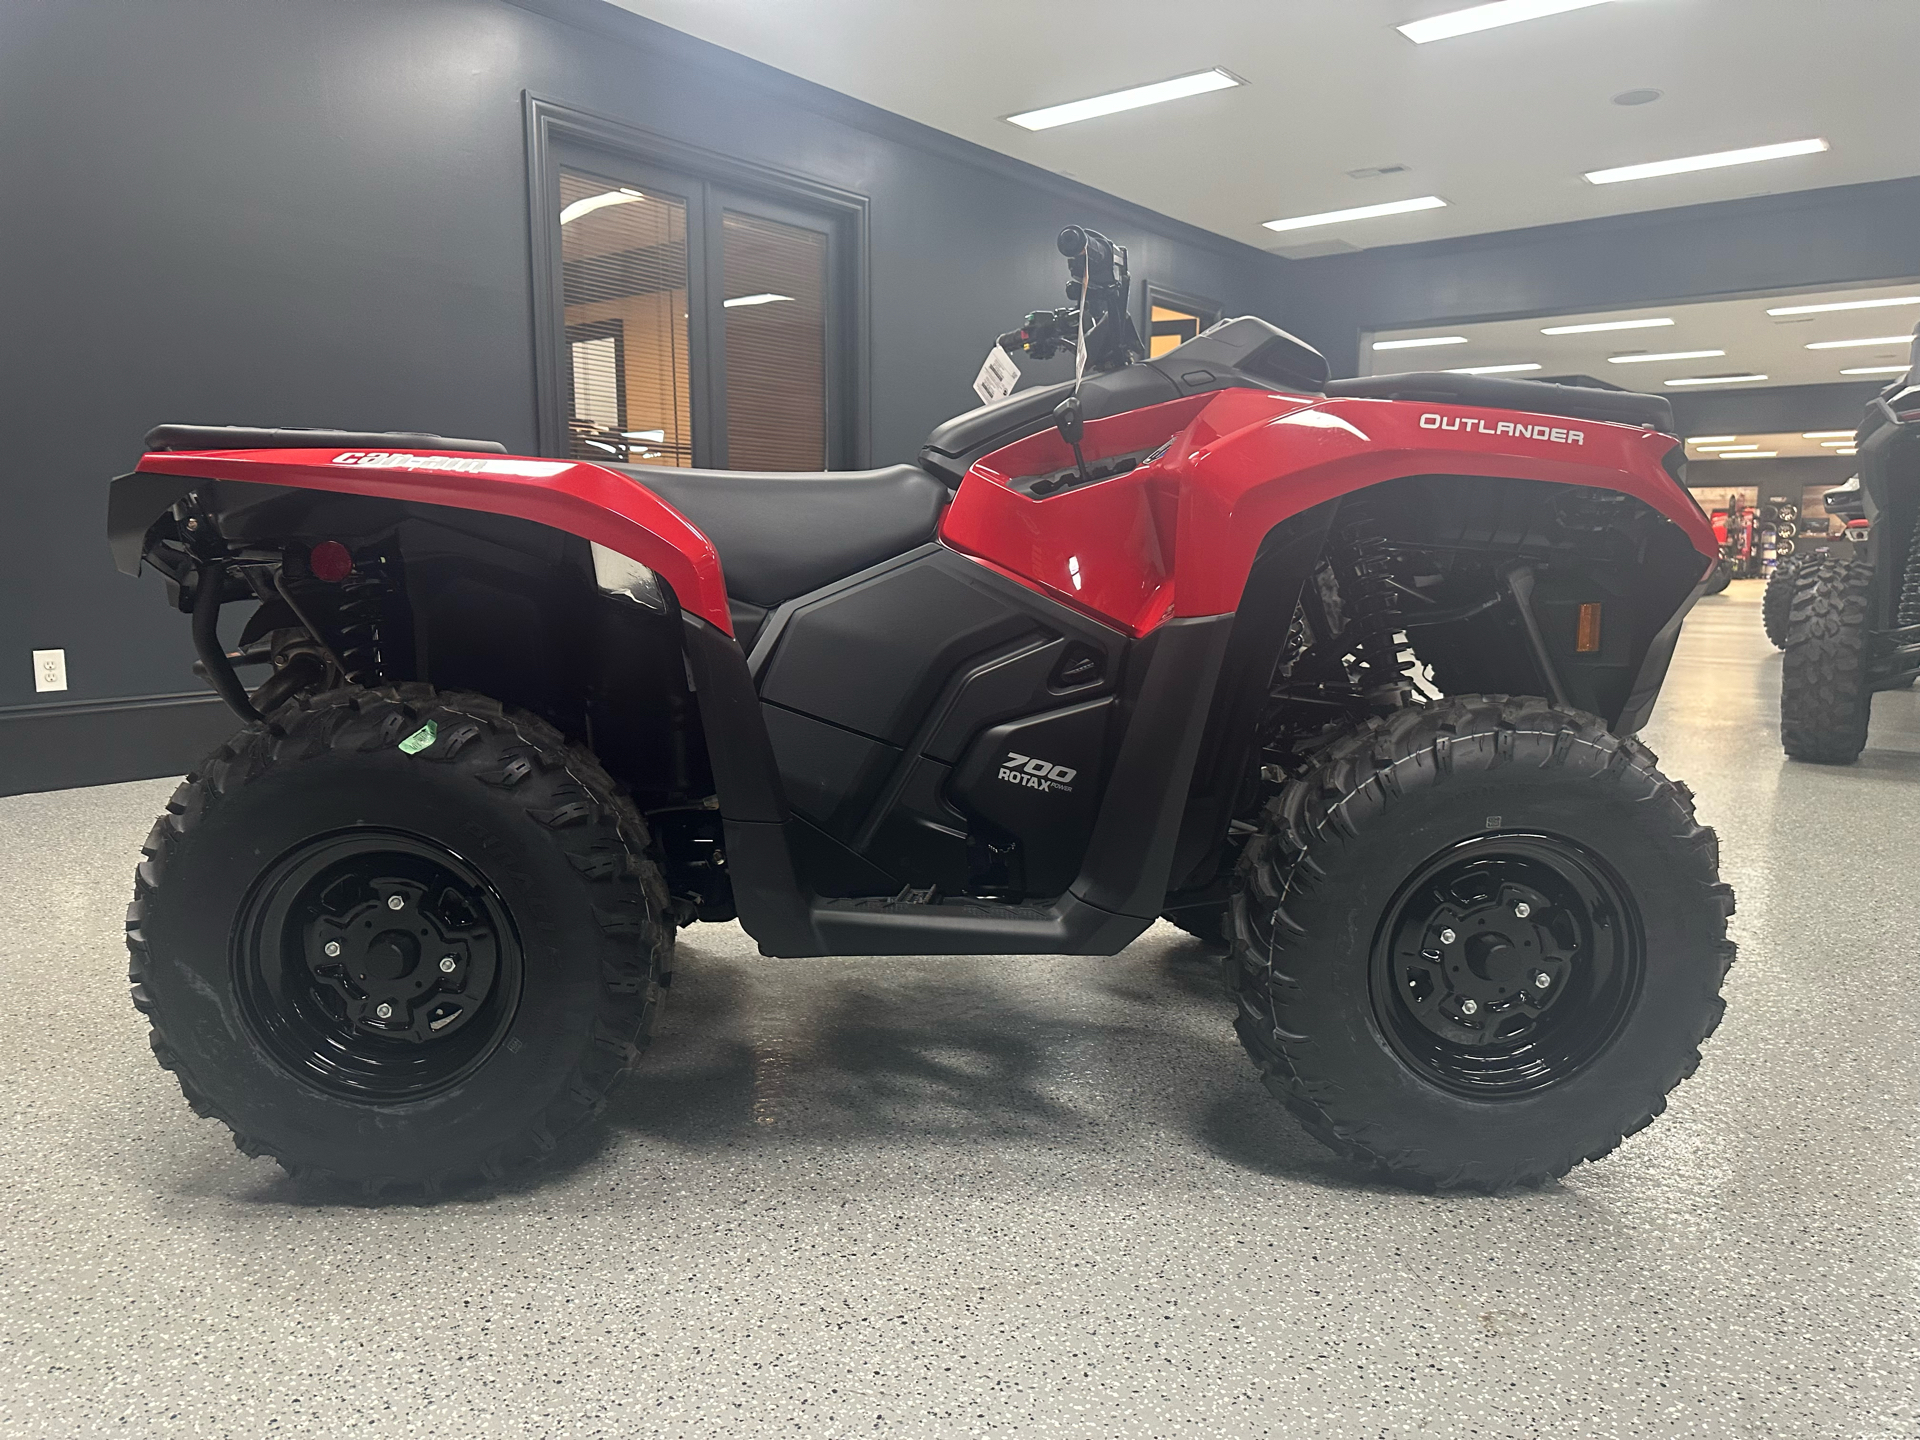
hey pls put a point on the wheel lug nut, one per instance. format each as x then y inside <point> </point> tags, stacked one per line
<point>332,947</point>
<point>396,902</point>
<point>1523,909</point>
<point>385,1010</point>
<point>1447,937</point>
<point>1542,980</point>
<point>448,964</point>
<point>1469,1006</point>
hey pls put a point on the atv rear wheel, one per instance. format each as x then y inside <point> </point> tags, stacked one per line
<point>411,940</point>
<point>1478,943</point>
<point>1776,601</point>
<point>1825,698</point>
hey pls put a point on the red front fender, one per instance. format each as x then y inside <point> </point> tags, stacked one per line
<point>1177,536</point>
<point>573,496</point>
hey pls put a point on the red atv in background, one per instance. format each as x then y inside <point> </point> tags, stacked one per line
<point>1341,675</point>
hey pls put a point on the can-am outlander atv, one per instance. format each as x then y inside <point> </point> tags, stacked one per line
<point>1342,674</point>
<point>1854,625</point>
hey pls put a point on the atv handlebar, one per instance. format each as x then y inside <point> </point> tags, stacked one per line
<point>1099,283</point>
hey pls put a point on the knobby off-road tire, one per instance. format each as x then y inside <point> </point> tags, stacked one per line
<point>1776,601</point>
<point>1825,699</point>
<point>1334,913</point>
<point>516,867</point>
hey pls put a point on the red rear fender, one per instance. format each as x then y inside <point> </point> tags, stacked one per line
<point>576,497</point>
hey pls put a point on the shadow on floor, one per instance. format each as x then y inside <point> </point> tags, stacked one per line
<point>914,1054</point>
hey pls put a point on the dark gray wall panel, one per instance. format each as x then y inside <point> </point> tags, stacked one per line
<point>306,212</point>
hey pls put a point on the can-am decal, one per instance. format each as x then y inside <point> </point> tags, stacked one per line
<point>1037,774</point>
<point>1473,425</point>
<point>449,464</point>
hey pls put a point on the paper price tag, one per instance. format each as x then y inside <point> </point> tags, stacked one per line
<point>997,377</point>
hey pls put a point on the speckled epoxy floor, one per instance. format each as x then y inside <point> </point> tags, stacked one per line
<point>1008,1196</point>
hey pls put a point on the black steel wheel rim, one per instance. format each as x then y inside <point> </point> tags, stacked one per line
<point>1506,964</point>
<point>376,965</point>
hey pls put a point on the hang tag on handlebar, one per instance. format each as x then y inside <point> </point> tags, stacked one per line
<point>997,377</point>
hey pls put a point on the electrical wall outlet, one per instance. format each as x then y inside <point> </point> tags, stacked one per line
<point>49,670</point>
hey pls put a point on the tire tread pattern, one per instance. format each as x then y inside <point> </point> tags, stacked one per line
<point>559,786</point>
<point>1825,697</point>
<point>1358,778</point>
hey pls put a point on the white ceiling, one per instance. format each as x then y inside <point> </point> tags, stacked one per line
<point>1755,342</point>
<point>1501,123</point>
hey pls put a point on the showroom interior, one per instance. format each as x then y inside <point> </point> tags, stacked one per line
<point>1275,431</point>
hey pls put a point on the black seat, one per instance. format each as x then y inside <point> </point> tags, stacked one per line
<point>783,535</point>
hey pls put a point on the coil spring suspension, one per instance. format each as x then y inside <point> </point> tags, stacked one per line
<point>357,625</point>
<point>1370,600</point>
<point>1908,611</point>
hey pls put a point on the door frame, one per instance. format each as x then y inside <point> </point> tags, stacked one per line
<point>552,128</point>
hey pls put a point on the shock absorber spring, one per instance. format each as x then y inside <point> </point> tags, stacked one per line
<point>1370,599</point>
<point>357,625</point>
<point>1908,610</point>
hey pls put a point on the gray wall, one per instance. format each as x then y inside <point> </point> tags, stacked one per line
<point>311,212</point>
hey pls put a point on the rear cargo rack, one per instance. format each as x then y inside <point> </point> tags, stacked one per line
<point>243,437</point>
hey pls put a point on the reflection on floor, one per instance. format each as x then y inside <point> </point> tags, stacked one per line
<point>1037,1196</point>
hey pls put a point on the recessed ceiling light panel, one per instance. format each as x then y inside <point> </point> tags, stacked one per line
<point>1598,325</point>
<point>1421,343</point>
<point>1689,163</point>
<point>1669,355</point>
<point>766,298</point>
<point>1363,212</point>
<point>1717,380</point>
<point>1178,88</point>
<point>1492,369</point>
<point>1487,17</point>
<point>1710,439</point>
<point>1845,305</point>
<point>1877,370</point>
<point>1852,344</point>
<point>1752,455</point>
<point>1826,435</point>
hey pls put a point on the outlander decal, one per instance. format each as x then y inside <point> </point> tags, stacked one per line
<point>1037,774</point>
<point>1558,434</point>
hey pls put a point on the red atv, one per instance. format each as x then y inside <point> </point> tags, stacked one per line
<point>1340,675</point>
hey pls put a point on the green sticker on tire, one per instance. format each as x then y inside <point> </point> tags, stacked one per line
<point>420,739</point>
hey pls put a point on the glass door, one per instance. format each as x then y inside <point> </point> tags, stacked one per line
<point>627,290</point>
<point>702,323</point>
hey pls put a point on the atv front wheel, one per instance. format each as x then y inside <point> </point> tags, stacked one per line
<point>1478,943</point>
<point>411,939</point>
<point>1776,601</point>
<point>1825,698</point>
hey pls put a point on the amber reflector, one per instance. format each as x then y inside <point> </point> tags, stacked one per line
<point>1588,639</point>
